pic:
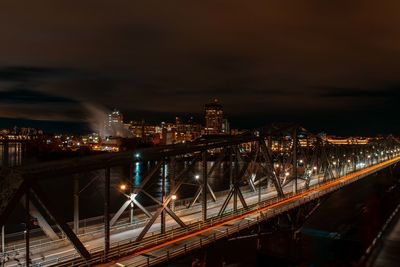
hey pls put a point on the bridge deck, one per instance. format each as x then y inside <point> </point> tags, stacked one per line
<point>156,248</point>
<point>181,245</point>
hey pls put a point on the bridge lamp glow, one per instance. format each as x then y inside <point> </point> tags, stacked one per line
<point>122,187</point>
<point>197,177</point>
<point>173,197</point>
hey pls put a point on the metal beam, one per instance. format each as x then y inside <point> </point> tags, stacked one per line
<point>226,202</point>
<point>53,212</point>
<point>119,212</point>
<point>270,167</point>
<point>164,177</point>
<point>39,213</point>
<point>145,211</point>
<point>163,205</point>
<point>27,228</point>
<point>107,211</point>
<point>205,184</point>
<point>294,137</point>
<point>76,204</point>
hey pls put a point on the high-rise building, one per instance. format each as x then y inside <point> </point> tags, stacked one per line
<point>213,118</point>
<point>226,127</point>
<point>114,124</point>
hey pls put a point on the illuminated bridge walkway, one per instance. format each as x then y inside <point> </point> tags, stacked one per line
<point>271,171</point>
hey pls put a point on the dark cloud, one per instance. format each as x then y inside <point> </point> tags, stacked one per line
<point>29,73</point>
<point>25,96</point>
<point>330,92</point>
<point>306,61</point>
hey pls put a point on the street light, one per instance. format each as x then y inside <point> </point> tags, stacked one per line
<point>197,177</point>
<point>173,197</point>
<point>122,187</point>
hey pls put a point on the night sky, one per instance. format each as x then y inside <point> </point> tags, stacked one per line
<point>328,65</point>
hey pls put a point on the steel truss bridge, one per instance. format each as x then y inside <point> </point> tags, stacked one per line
<point>272,171</point>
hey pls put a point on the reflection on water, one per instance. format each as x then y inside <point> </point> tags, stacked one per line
<point>91,186</point>
<point>11,156</point>
<point>217,180</point>
<point>137,178</point>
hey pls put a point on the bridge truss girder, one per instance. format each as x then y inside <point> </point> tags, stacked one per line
<point>278,156</point>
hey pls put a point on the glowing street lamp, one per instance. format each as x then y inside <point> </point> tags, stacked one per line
<point>197,177</point>
<point>173,197</point>
<point>122,187</point>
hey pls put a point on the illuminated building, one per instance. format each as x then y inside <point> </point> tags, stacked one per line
<point>213,118</point>
<point>114,124</point>
<point>226,127</point>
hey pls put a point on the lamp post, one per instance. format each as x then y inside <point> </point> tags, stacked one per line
<point>173,198</point>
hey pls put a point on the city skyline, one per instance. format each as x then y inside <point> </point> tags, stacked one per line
<point>267,62</point>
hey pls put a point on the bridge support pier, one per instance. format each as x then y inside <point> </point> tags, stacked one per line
<point>27,227</point>
<point>164,177</point>
<point>130,179</point>
<point>76,204</point>
<point>295,160</point>
<point>107,212</point>
<point>205,185</point>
